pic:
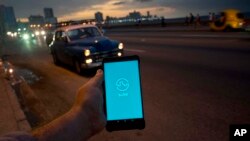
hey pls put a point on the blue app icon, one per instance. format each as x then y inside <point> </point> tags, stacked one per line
<point>122,84</point>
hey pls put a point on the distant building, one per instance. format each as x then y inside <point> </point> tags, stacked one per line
<point>133,18</point>
<point>7,19</point>
<point>36,20</point>
<point>10,18</point>
<point>48,13</point>
<point>99,17</point>
<point>148,14</point>
<point>134,15</point>
<point>49,16</point>
<point>2,23</point>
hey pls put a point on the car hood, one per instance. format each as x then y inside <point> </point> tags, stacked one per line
<point>97,43</point>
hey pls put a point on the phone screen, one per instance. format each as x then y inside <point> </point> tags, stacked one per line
<point>123,90</point>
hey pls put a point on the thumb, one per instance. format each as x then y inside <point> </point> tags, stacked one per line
<point>98,78</point>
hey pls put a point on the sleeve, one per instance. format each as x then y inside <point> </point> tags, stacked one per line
<point>17,136</point>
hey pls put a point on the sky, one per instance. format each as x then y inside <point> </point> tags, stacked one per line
<point>85,9</point>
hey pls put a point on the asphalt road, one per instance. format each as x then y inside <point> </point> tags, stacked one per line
<point>195,84</point>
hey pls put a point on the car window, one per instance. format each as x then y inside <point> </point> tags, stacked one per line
<point>240,15</point>
<point>58,35</point>
<point>81,33</point>
<point>63,34</point>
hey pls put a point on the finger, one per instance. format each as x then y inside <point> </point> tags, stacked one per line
<point>98,78</point>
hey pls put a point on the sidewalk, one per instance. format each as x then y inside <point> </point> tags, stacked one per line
<point>12,117</point>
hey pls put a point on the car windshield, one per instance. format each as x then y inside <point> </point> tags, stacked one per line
<point>81,33</point>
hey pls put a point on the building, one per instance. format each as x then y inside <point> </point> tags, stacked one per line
<point>49,16</point>
<point>48,13</point>
<point>7,19</point>
<point>148,14</point>
<point>99,17</point>
<point>36,21</point>
<point>2,23</point>
<point>10,18</point>
<point>135,15</point>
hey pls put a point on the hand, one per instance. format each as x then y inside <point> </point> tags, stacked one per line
<point>83,120</point>
<point>90,102</point>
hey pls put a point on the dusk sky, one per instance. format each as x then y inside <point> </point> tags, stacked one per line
<point>85,9</point>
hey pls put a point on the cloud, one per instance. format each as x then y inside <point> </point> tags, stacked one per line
<point>143,0</point>
<point>119,3</point>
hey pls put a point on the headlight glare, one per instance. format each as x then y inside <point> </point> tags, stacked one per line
<point>11,70</point>
<point>43,32</point>
<point>87,52</point>
<point>120,46</point>
<point>26,36</point>
<point>88,61</point>
<point>37,33</point>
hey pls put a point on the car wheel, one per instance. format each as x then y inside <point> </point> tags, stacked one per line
<point>77,66</point>
<point>55,58</point>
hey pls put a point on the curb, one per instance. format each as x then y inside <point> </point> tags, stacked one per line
<point>20,117</point>
<point>22,122</point>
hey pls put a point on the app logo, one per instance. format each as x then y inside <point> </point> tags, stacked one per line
<point>122,84</point>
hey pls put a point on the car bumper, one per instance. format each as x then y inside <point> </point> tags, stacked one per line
<point>91,65</point>
<point>98,57</point>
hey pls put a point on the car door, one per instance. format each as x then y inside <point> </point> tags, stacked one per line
<point>59,45</point>
<point>66,53</point>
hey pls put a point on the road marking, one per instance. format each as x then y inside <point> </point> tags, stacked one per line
<point>135,50</point>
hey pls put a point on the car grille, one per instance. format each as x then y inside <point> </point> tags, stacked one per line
<point>98,57</point>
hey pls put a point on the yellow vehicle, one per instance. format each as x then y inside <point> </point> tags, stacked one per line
<point>230,19</point>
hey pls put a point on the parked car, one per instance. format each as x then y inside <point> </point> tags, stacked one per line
<point>83,46</point>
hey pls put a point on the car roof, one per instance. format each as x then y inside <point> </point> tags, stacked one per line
<point>231,11</point>
<point>71,27</point>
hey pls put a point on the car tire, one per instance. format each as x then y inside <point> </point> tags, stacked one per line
<point>77,67</point>
<point>55,58</point>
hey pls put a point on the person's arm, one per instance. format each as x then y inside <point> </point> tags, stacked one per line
<point>84,119</point>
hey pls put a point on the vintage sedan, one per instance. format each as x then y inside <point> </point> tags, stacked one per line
<point>83,46</point>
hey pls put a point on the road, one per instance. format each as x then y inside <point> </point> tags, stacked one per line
<point>195,84</point>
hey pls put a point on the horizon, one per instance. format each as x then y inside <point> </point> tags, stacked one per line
<point>120,8</point>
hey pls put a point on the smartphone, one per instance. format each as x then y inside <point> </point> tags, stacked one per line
<point>123,93</point>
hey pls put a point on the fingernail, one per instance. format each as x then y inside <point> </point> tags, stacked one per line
<point>99,71</point>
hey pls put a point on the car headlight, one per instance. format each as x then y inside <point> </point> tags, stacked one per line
<point>241,24</point>
<point>37,33</point>
<point>88,61</point>
<point>43,32</point>
<point>11,70</point>
<point>119,54</point>
<point>26,36</point>
<point>87,52</point>
<point>120,46</point>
